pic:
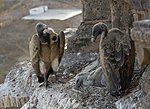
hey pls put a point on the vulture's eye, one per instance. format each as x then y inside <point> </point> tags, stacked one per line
<point>54,38</point>
<point>39,25</point>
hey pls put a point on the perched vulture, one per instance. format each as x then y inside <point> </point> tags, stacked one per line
<point>116,57</point>
<point>46,50</point>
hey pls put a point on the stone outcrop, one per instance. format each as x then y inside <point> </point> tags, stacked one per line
<point>94,11</point>
<point>12,101</point>
<point>18,86</point>
<point>141,37</point>
<point>64,96</point>
<point>21,81</point>
<point>21,87</point>
<point>141,9</point>
<point>140,96</point>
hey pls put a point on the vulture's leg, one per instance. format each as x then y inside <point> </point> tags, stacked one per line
<point>45,80</point>
<point>55,67</point>
<point>43,69</point>
<point>38,72</point>
<point>40,79</point>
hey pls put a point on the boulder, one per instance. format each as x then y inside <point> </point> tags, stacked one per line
<point>141,36</point>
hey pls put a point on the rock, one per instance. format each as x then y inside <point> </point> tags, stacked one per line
<point>74,62</point>
<point>130,101</point>
<point>12,101</point>
<point>144,103</point>
<point>18,89</point>
<point>91,75</point>
<point>21,81</point>
<point>18,86</point>
<point>139,98</point>
<point>98,77</point>
<point>145,81</point>
<point>21,87</point>
<point>80,41</point>
<point>63,97</point>
<point>101,10</point>
<point>141,36</point>
<point>136,100</point>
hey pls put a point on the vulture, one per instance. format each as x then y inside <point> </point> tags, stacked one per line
<point>46,50</point>
<point>116,57</point>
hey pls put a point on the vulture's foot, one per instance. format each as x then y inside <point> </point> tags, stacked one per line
<point>46,85</point>
<point>40,79</point>
<point>115,93</point>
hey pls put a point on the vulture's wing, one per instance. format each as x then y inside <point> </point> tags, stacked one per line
<point>34,50</point>
<point>126,70</point>
<point>110,63</point>
<point>116,48</point>
<point>61,44</point>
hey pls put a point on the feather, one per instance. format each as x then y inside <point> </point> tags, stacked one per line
<point>118,46</point>
<point>113,62</point>
<point>126,49</point>
<point>62,43</point>
<point>106,54</point>
<point>46,51</point>
<point>121,62</point>
<point>34,48</point>
<point>126,44</point>
<point>109,50</point>
<point>114,52</point>
<point>113,79</point>
<point>118,55</point>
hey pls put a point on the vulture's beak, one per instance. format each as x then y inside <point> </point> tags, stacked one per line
<point>92,39</point>
<point>45,26</point>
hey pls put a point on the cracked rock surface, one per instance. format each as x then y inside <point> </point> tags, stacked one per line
<point>21,89</point>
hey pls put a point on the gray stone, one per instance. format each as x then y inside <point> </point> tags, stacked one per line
<point>97,11</point>
<point>22,84</point>
<point>141,36</point>
<point>91,75</point>
<point>21,87</point>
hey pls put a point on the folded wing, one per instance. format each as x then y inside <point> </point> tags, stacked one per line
<point>61,44</point>
<point>34,50</point>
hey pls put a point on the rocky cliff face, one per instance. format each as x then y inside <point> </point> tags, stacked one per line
<point>21,89</point>
<point>18,86</point>
<point>22,85</point>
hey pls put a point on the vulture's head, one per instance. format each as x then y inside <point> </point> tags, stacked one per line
<point>53,36</point>
<point>40,27</point>
<point>97,30</point>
